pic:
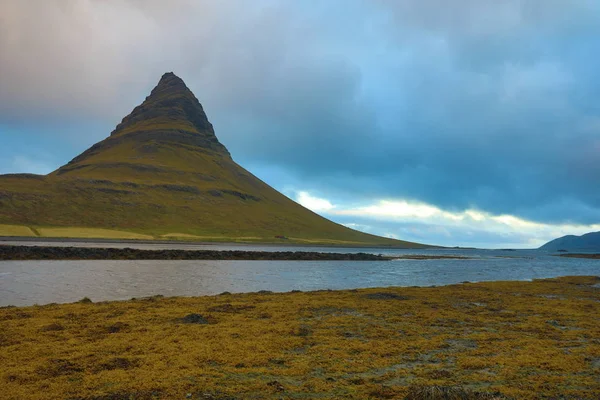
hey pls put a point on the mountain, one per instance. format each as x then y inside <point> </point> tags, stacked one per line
<point>588,242</point>
<point>163,174</point>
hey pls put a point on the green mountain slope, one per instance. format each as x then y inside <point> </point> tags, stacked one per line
<point>164,174</point>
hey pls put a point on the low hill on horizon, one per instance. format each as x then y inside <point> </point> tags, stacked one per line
<point>588,242</point>
<point>163,174</point>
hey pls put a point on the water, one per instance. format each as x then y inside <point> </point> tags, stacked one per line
<point>42,282</point>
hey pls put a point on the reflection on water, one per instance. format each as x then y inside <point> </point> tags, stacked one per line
<point>42,282</point>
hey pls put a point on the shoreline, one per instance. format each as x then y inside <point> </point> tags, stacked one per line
<point>580,255</point>
<point>22,253</point>
<point>219,243</point>
<point>501,340</point>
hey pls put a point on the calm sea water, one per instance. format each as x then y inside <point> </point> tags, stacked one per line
<point>42,282</point>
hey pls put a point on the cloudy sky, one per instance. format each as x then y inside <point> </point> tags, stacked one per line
<point>471,122</point>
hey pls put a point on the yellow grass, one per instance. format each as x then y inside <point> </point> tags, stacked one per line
<point>15,230</point>
<point>523,340</point>
<point>185,236</point>
<point>89,233</point>
<point>327,241</point>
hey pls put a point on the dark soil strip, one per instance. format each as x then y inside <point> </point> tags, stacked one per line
<point>80,253</point>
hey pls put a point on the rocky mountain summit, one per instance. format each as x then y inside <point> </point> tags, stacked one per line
<point>170,116</point>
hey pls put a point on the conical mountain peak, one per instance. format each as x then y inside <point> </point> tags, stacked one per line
<point>171,82</point>
<point>170,108</point>
<point>169,121</point>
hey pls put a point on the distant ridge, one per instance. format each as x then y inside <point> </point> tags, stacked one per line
<point>588,242</point>
<point>163,174</point>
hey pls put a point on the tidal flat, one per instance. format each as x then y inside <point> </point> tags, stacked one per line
<point>489,340</point>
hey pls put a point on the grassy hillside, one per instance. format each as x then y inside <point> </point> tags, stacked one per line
<point>163,173</point>
<point>57,206</point>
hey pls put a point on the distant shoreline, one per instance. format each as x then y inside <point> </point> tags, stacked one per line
<point>580,255</point>
<point>13,253</point>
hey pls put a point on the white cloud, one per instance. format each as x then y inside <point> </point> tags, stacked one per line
<point>476,215</point>
<point>407,210</point>
<point>313,203</point>
<point>466,226</point>
<point>398,209</point>
<point>361,227</point>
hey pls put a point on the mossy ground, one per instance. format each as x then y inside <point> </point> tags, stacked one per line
<point>521,340</point>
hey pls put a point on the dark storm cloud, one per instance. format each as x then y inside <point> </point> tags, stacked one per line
<point>488,107</point>
<point>469,104</point>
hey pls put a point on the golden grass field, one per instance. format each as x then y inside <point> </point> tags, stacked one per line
<point>16,230</point>
<point>88,233</point>
<point>496,340</point>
